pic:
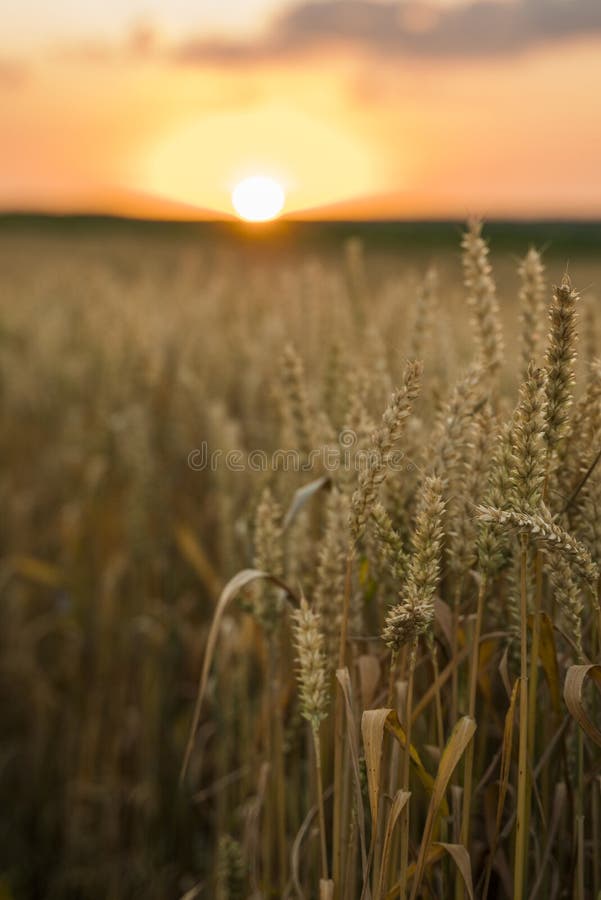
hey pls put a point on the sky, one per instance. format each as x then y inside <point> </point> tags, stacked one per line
<point>359,108</point>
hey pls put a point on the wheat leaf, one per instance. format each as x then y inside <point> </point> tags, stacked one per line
<point>401,798</point>
<point>372,730</point>
<point>452,753</point>
<point>302,496</point>
<point>345,683</point>
<point>461,858</point>
<point>229,592</point>
<point>572,692</point>
<point>503,779</point>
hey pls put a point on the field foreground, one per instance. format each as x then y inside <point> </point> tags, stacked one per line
<point>275,508</point>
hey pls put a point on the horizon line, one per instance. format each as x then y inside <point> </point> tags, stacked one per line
<point>516,218</point>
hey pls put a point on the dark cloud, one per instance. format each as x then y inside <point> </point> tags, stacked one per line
<point>406,29</point>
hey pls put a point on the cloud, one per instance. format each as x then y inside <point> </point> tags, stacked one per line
<point>394,29</point>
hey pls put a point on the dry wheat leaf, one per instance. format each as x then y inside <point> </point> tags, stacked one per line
<point>344,680</point>
<point>372,730</point>
<point>572,692</point>
<point>460,737</point>
<point>401,798</point>
<point>295,861</point>
<point>435,853</point>
<point>369,677</point>
<point>461,858</point>
<point>229,592</point>
<point>302,496</point>
<point>394,727</point>
<point>504,776</point>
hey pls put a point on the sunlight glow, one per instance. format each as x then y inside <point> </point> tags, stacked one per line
<point>258,198</point>
<point>200,161</point>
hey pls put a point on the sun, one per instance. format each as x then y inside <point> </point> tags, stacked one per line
<point>258,198</point>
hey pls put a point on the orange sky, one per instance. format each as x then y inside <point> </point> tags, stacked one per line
<point>359,107</point>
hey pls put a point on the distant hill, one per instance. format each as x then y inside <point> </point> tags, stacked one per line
<point>565,238</point>
<point>124,203</point>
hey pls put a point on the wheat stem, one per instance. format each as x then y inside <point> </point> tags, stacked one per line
<point>320,805</point>
<point>473,689</point>
<point>405,777</point>
<point>339,745</point>
<point>521,836</point>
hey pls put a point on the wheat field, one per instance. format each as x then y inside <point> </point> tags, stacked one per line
<point>299,578</point>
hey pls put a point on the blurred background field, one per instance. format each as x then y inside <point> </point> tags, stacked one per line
<point>123,347</point>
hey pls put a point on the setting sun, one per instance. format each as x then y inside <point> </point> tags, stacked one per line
<point>258,199</point>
